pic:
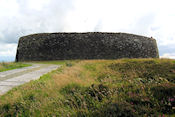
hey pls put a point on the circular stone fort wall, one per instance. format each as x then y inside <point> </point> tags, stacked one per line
<point>91,45</point>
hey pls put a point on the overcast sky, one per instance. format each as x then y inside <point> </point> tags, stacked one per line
<point>154,18</point>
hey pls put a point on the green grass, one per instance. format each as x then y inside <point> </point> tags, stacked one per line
<point>12,65</point>
<point>99,88</point>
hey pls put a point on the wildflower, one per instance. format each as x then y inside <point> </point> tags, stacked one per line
<point>161,115</point>
<point>170,99</point>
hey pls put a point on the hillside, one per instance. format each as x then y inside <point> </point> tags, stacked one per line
<point>124,87</point>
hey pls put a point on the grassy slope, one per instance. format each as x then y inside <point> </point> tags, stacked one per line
<point>11,65</point>
<point>126,87</point>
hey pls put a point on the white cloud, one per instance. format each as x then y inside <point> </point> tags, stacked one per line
<point>37,4</point>
<point>8,8</point>
<point>7,49</point>
<point>145,17</point>
<point>168,55</point>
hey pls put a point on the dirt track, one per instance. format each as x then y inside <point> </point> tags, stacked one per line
<point>13,78</point>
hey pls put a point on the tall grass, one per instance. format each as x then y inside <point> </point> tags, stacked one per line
<point>125,87</point>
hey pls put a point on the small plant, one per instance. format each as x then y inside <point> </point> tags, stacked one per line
<point>68,64</point>
<point>165,94</point>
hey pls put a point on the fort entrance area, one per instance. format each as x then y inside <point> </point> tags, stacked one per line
<point>90,45</point>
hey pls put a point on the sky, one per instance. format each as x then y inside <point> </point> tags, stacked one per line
<point>151,18</point>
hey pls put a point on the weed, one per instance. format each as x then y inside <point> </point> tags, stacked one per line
<point>69,64</point>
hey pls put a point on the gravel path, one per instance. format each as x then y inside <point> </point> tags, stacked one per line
<point>13,78</point>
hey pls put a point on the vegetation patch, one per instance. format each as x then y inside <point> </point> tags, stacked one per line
<point>12,65</point>
<point>97,88</point>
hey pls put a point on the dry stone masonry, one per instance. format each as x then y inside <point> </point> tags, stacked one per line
<point>90,45</point>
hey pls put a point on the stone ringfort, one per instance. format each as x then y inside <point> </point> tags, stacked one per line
<point>90,45</point>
